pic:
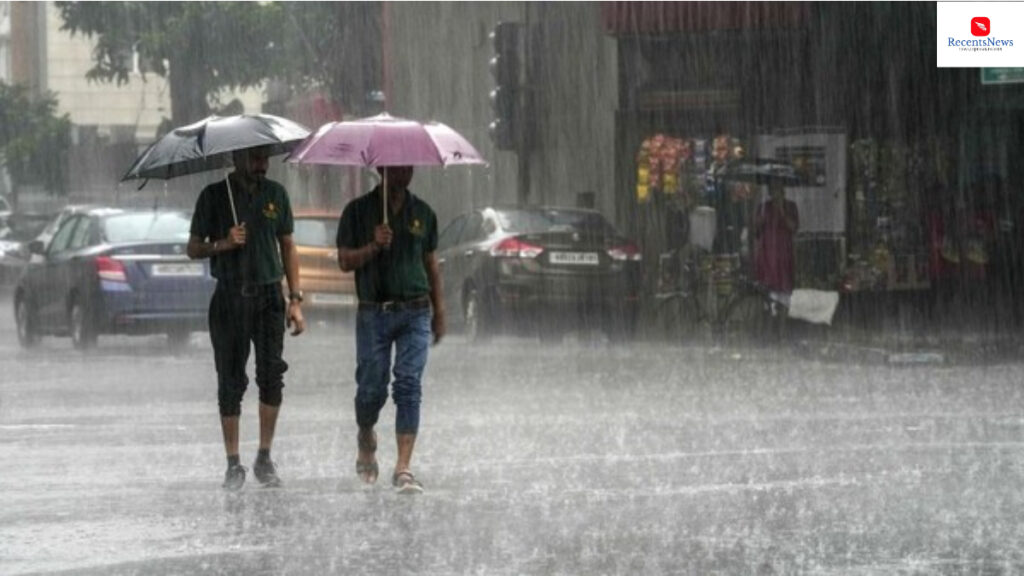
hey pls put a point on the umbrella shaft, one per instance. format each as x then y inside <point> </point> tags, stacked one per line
<point>384,194</point>
<point>231,200</point>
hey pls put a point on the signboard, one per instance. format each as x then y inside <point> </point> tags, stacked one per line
<point>820,158</point>
<point>1002,75</point>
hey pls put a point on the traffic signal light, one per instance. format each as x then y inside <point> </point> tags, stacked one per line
<point>506,99</point>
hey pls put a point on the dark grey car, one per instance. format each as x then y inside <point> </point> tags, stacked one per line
<point>539,271</point>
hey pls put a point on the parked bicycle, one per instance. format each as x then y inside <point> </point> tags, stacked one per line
<point>700,296</point>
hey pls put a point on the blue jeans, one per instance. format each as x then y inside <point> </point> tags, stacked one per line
<point>376,332</point>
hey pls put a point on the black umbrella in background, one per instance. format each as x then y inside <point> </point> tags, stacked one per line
<point>761,171</point>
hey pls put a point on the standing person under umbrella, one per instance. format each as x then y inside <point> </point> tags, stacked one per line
<point>775,226</point>
<point>398,283</point>
<point>244,225</point>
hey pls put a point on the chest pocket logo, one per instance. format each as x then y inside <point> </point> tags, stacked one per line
<point>416,228</point>
<point>270,211</point>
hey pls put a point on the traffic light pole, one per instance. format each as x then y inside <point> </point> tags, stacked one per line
<point>526,125</point>
<point>511,99</point>
<point>523,178</point>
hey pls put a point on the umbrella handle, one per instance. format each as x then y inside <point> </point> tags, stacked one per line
<point>231,200</point>
<point>384,194</point>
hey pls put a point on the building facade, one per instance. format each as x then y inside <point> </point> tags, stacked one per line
<point>848,92</point>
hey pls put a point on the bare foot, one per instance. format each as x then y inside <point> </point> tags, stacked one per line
<point>366,463</point>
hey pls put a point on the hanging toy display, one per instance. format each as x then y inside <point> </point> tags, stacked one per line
<point>643,173</point>
<point>659,163</point>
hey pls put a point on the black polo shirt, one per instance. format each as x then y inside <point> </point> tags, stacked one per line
<point>397,273</point>
<point>267,214</point>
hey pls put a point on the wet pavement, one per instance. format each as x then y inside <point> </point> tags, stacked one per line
<point>584,458</point>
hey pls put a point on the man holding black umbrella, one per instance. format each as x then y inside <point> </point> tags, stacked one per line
<point>244,225</point>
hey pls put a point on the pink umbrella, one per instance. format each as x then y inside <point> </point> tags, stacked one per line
<point>384,140</point>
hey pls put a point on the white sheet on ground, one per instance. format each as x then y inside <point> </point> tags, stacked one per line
<point>815,306</point>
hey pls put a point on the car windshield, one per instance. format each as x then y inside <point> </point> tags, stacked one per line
<point>316,232</point>
<point>552,220</point>
<point>147,226</point>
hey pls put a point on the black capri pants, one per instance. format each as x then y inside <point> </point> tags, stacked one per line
<point>237,318</point>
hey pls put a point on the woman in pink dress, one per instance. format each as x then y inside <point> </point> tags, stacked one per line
<point>775,225</point>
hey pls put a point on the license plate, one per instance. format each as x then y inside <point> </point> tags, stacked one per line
<point>177,269</point>
<point>574,258</point>
<point>333,299</point>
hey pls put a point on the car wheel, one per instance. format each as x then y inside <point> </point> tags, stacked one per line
<point>25,317</point>
<point>477,323</point>
<point>83,334</point>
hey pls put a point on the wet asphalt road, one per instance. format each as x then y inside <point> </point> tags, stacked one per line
<point>583,458</point>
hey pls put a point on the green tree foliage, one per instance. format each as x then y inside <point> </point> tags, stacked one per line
<point>201,47</point>
<point>34,141</point>
<point>206,47</point>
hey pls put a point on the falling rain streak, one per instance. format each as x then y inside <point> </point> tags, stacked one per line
<point>730,288</point>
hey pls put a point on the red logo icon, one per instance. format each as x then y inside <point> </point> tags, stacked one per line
<point>980,26</point>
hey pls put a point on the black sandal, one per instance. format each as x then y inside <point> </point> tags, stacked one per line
<point>367,471</point>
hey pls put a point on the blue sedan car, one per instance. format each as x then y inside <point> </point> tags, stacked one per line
<point>114,271</point>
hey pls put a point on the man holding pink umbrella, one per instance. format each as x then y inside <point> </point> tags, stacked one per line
<point>400,306</point>
<point>388,236</point>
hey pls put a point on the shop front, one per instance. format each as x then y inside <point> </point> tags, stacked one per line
<point>888,147</point>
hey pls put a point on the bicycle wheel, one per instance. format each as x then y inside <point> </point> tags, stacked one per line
<point>744,318</point>
<point>677,318</point>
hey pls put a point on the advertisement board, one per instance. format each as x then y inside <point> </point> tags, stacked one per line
<point>820,158</point>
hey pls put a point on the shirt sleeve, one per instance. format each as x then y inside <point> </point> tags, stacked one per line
<point>430,243</point>
<point>346,237</point>
<point>201,216</point>
<point>287,225</point>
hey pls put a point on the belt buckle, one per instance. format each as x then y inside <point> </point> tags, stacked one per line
<point>248,290</point>
<point>388,306</point>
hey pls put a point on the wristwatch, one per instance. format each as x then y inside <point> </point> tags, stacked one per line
<point>295,296</point>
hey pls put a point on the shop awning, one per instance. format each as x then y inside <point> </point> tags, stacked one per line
<point>627,18</point>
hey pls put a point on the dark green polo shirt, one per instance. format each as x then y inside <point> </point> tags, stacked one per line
<point>398,273</point>
<point>267,214</point>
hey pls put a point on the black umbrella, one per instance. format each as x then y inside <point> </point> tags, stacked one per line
<point>761,171</point>
<point>209,144</point>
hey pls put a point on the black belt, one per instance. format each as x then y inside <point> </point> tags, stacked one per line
<point>250,290</point>
<point>413,304</point>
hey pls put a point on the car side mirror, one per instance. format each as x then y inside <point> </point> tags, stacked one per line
<point>36,247</point>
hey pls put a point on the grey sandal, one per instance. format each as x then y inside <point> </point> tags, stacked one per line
<point>405,483</point>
